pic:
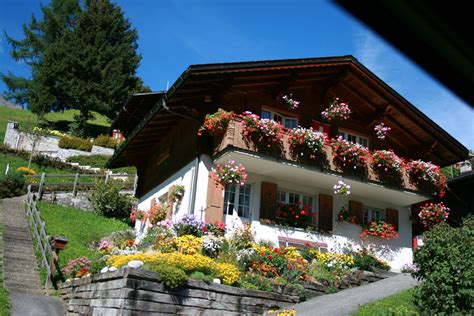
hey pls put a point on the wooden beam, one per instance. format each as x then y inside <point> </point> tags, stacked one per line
<point>359,96</point>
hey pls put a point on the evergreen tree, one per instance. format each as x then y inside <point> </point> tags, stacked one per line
<point>58,18</point>
<point>89,66</point>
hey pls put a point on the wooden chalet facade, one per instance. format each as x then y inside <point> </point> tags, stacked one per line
<point>162,142</point>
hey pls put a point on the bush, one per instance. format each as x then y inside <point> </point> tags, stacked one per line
<point>26,171</point>
<point>202,277</point>
<point>105,141</point>
<point>366,260</point>
<point>12,185</point>
<point>171,277</point>
<point>446,266</point>
<point>107,201</point>
<point>70,142</point>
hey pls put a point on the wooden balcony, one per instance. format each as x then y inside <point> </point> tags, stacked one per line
<point>232,139</point>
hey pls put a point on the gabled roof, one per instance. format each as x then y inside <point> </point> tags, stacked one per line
<point>208,79</point>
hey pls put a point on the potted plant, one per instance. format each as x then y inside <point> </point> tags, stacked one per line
<point>306,145</point>
<point>345,217</point>
<point>216,123</point>
<point>287,99</point>
<point>348,156</point>
<point>433,213</point>
<point>426,176</point>
<point>380,229</point>
<point>176,194</point>
<point>336,110</point>
<point>263,134</point>
<point>387,166</point>
<point>229,173</point>
<point>294,215</point>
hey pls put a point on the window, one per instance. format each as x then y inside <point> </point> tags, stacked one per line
<point>287,122</point>
<point>373,215</point>
<point>356,139</point>
<point>293,198</point>
<point>237,198</point>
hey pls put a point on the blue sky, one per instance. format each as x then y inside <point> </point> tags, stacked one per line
<point>175,34</point>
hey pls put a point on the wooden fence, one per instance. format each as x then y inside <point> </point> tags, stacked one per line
<point>43,245</point>
<point>72,182</point>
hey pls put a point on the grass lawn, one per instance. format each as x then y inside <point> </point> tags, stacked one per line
<point>16,162</point>
<point>398,304</point>
<point>79,227</point>
<point>4,302</point>
<point>58,120</point>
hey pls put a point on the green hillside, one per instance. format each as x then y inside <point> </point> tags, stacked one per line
<point>58,120</point>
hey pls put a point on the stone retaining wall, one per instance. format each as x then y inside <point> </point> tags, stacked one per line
<point>129,291</point>
<point>47,145</point>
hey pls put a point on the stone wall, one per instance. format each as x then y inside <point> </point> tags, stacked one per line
<point>129,291</point>
<point>47,145</point>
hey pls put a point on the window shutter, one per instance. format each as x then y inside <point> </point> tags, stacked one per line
<point>268,200</point>
<point>325,213</point>
<point>356,209</point>
<point>215,202</point>
<point>391,216</point>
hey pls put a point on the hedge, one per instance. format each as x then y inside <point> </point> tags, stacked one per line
<point>71,142</point>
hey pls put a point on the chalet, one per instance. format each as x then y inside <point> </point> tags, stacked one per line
<point>162,142</point>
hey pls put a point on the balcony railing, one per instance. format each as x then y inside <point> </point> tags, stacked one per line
<point>232,137</point>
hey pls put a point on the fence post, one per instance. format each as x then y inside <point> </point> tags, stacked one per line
<point>107,175</point>
<point>135,184</point>
<point>74,187</point>
<point>40,188</point>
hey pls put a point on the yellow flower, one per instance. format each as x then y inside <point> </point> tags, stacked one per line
<point>338,259</point>
<point>26,170</point>
<point>189,244</point>
<point>228,272</point>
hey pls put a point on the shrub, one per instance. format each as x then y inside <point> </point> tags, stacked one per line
<point>12,185</point>
<point>255,281</point>
<point>201,277</point>
<point>364,259</point>
<point>446,266</point>
<point>107,201</point>
<point>105,141</point>
<point>70,142</point>
<point>171,277</point>
<point>26,171</point>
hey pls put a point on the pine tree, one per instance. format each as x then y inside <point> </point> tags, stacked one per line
<point>86,61</point>
<point>58,18</point>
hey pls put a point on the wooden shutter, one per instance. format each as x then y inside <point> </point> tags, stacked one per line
<point>268,200</point>
<point>391,216</point>
<point>325,213</point>
<point>356,209</point>
<point>215,202</point>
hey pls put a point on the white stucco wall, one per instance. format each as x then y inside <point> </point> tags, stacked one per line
<point>345,235</point>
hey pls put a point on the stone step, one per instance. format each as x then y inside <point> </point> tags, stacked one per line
<point>30,281</point>
<point>19,257</point>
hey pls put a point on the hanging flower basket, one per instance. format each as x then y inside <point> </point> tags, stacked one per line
<point>289,102</point>
<point>230,173</point>
<point>176,194</point>
<point>432,214</point>
<point>381,130</point>
<point>337,110</point>
<point>341,188</point>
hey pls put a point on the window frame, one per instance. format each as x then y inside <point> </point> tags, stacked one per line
<point>359,138</point>
<point>236,203</point>
<point>368,214</point>
<point>283,117</point>
<point>313,220</point>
